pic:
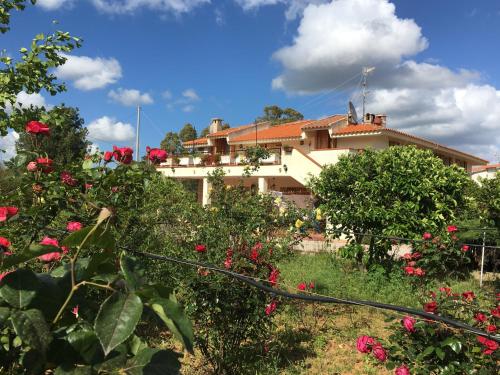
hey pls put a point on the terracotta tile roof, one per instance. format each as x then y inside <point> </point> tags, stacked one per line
<point>480,168</point>
<point>196,142</point>
<point>289,130</point>
<point>324,122</point>
<point>371,128</point>
<point>225,132</point>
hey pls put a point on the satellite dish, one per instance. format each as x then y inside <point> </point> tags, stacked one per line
<point>353,117</point>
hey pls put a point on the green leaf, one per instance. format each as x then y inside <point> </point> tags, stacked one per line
<point>31,327</point>
<point>49,297</point>
<point>97,236</point>
<point>132,271</point>
<point>19,288</point>
<point>33,251</point>
<point>454,343</point>
<point>440,353</point>
<point>67,369</point>
<point>153,362</point>
<point>4,315</point>
<point>136,345</point>
<point>427,351</point>
<point>117,319</point>
<point>86,344</point>
<point>171,313</point>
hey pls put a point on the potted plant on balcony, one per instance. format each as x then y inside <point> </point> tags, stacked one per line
<point>216,159</point>
<point>288,149</point>
<point>206,159</point>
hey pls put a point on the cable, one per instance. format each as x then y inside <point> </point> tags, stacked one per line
<point>323,299</point>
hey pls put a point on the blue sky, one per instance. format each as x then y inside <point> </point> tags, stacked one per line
<point>190,60</point>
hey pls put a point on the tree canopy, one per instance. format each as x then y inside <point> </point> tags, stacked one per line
<point>172,143</point>
<point>277,115</point>
<point>187,133</point>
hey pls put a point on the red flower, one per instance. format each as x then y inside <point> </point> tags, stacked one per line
<point>73,226</point>
<point>465,248</point>
<point>490,345</point>
<point>46,164</point>
<point>108,155</point>
<point>32,167</point>
<point>402,370</point>
<point>123,154</point>
<point>409,270</point>
<point>7,212</point>
<point>432,294</point>
<point>156,155</point>
<point>427,236</point>
<point>36,127</point>
<point>271,307</point>
<point>301,286</point>
<point>419,272</point>
<point>496,312</point>
<point>416,255</point>
<point>50,257</point>
<point>430,307</point>
<point>311,285</point>
<point>228,262</point>
<point>3,274</point>
<point>254,255</point>
<point>452,228</point>
<point>4,243</point>
<point>363,344</point>
<point>445,290</point>
<point>409,323</point>
<point>200,248</point>
<point>74,311</point>
<point>491,328</point>
<point>407,257</point>
<point>68,179</point>
<point>379,352</point>
<point>481,318</point>
<point>273,276</point>
<point>88,186</point>
<point>468,296</point>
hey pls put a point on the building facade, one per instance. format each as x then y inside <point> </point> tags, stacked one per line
<point>298,150</point>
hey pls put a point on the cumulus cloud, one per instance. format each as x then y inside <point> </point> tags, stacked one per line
<point>89,73</point>
<point>293,7</point>
<point>191,95</point>
<point>185,102</point>
<point>130,6</point>
<point>8,146</point>
<point>335,41</point>
<point>130,97</point>
<point>53,4</point>
<point>108,129</point>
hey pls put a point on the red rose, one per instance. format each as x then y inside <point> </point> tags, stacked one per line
<point>481,318</point>
<point>490,345</point>
<point>200,248</point>
<point>416,256</point>
<point>68,179</point>
<point>452,228</point>
<point>4,243</point>
<point>36,127</point>
<point>50,257</point>
<point>402,370</point>
<point>496,312</point>
<point>379,352</point>
<point>409,270</point>
<point>301,286</point>
<point>445,290</point>
<point>254,255</point>
<point>32,167</point>
<point>228,262</point>
<point>88,186</point>
<point>7,212</point>
<point>311,285</point>
<point>273,276</point>
<point>419,272</point>
<point>156,155</point>
<point>363,344</point>
<point>46,164</point>
<point>123,154</point>
<point>430,307</point>
<point>468,296</point>
<point>465,248</point>
<point>108,155</point>
<point>3,274</point>
<point>427,236</point>
<point>407,257</point>
<point>271,307</point>
<point>491,328</point>
<point>409,323</point>
<point>73,226</point>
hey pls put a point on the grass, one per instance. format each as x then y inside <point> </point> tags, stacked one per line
<point>321,339</point>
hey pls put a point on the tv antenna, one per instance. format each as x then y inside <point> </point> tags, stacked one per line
<point>366,71</point>
<point>352,115</point>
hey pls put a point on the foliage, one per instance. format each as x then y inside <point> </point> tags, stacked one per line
<point>32,73</point>
<point>76,304</point>
<point>187,133</point>
<point>276,115</point>
<point>238,232</point>
<point>427,347</point>
<point>488,197</point>
<point>172,143</point>
<point>253,158</point>
<point>399,191</point>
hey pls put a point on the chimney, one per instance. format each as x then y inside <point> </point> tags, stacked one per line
<point>381,119</point>
<point>215,125</point>
<point>369,118</point>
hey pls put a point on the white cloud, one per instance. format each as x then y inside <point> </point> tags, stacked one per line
<point>8,145</point>
<point>335,41</point>
<point>191,95</point>
<point>130,6</point>
<point>24,100</point>
<point>188,108</point>
<point>130,97</point>
<point>293,7</point>
<point>108,129</point>
<point>166,95</point>
<point>89,73</point>
<point>53,4</point>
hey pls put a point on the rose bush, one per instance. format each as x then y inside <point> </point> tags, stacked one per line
<point>70,298</point>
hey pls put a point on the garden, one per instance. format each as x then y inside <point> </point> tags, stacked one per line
<point>107,267</point>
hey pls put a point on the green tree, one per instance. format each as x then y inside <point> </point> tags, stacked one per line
<point>277,115</point>
<point>400,191</point>
<point>32,72</point>
<point>172,143</point>
<point>206,131</point>
<point>488,199</point>
<point>67,142</point>
<point>187,133</point>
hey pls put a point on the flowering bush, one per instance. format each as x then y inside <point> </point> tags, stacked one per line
<point>420,346</point>
<point>70,300</point>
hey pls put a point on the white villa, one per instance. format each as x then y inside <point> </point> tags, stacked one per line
<point>298,149</point>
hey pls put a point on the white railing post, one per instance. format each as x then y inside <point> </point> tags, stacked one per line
<point>482,261</point>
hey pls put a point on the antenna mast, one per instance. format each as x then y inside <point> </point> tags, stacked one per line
<point>366,71</point>
<point>137,133</point>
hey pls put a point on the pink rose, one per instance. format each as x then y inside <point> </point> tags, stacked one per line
<point>363,344</point>
<point>271,307</point>
<point>73,226</point>
<point>427,236</point>
<point>123,154</point>
<point>4,243</point>
<point>74,311</point>
<point>452,228</point>
<point>228,263</point>
<point>36,127</point>
<point>108,155</point>
<point>481,318</point>
<point>68,179</point>
<point>50,257</point>
<point>156,155</point>
<point>301,286</point>
<point>465,248</point>
<point>409,270</point>
<point>7,212</point>
<point>273,276</point>
<point>379,352</point>
<point>409,323</point>
<point>491,328</point>
<point>419,272</point>
<point>445,290</point>
<point>32,167</point>
<point>402,370</point>
<point>200,248</point>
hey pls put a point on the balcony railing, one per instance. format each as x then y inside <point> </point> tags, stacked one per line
<point>209,159</point>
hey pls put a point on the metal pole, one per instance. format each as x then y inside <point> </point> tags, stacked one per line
<point>482,261</point>
<point>137,133</point>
